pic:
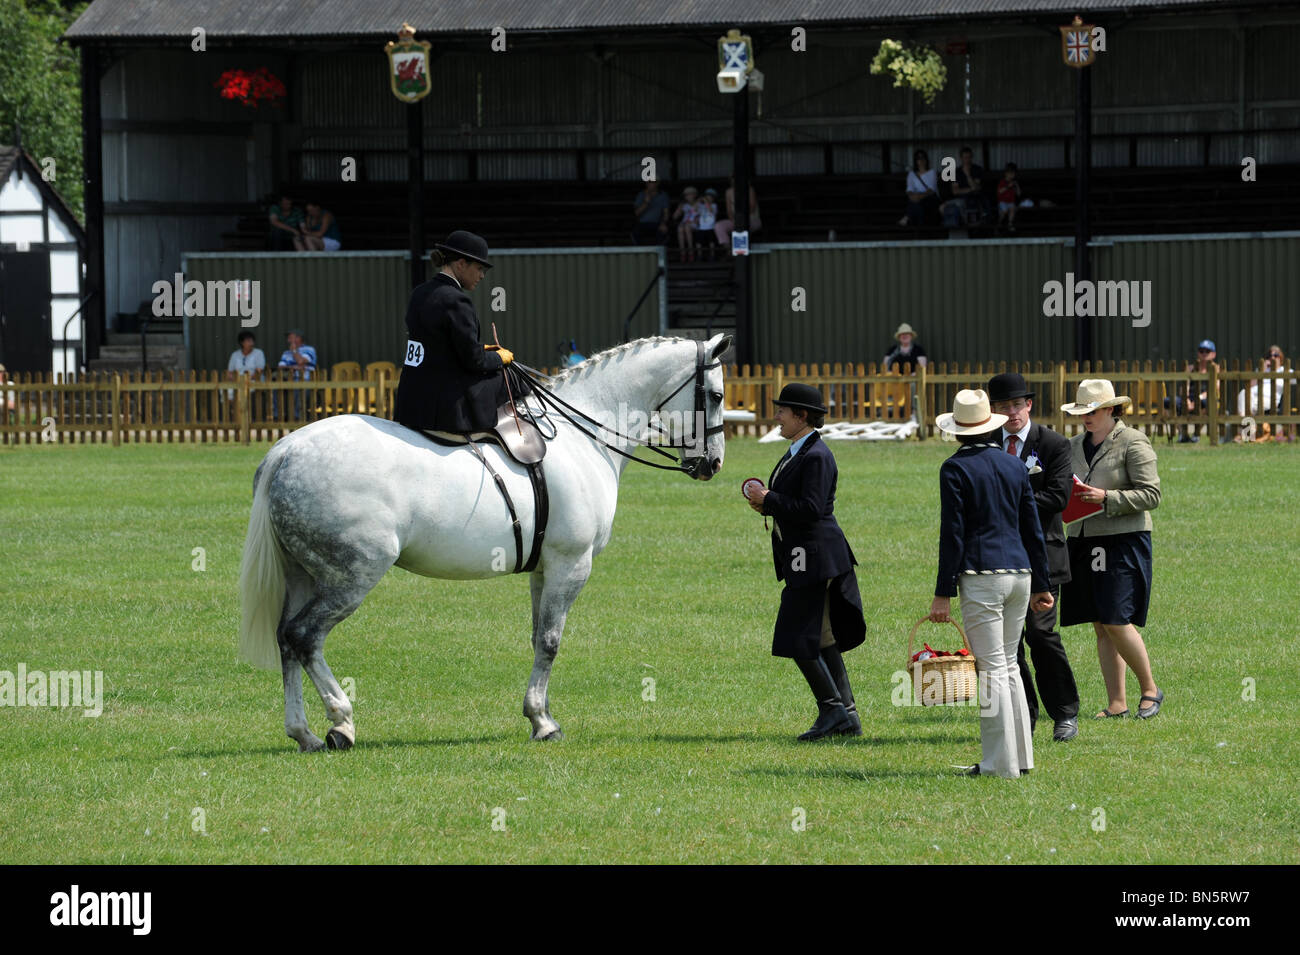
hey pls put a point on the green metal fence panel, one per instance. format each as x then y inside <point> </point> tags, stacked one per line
<point>352,306</point>
<point>968,301</point>
<point>983,301</point>
<point>1235,291</point>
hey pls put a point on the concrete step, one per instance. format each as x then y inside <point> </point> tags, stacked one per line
<point>132,352</point>
<point>153,338</point>
<point>111,365</point>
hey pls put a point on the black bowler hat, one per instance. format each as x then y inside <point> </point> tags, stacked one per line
<point>1006,386</point>
<point>796,395</point>
<point>465,244</point>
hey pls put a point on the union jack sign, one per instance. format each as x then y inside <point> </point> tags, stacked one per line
<point>1076,44</point>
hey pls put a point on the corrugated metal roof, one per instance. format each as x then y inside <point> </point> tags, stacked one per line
<point>144,19</point>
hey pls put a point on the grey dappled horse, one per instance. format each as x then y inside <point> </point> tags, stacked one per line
<point>340,501</point>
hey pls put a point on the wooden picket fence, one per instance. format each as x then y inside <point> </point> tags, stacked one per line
<point>209,406</point>
<point>864,393</point>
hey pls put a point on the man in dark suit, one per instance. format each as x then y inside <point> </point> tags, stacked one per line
<point>451,382</point>
<point>821,609</point>
<point>1052,483</point>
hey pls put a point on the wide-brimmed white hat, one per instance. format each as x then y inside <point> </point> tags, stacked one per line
<point>970,414</point>
<point>1095,393</point>
<point>904,329</point>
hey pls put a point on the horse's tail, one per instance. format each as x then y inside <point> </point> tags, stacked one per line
<point>261,577</point>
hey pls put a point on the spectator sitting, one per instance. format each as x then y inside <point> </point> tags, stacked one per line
<point>319,231</point>
<point>1008,197</point>
<point>908,351</point>
<point>1278,362</point>
<point>301,359</point>
<point>286,220</point>
<point>246,358</point>
<point>1265,395</point>
<point>968,189</point>
<point>6,402</point>
<point>651,210</point>
<point>724,227</point>
<point>687,217</point>
<point>298,356</point>
<point>708,219</point>
<point>922,191</point>
<point>569,354</point>
<point>1195,400</point>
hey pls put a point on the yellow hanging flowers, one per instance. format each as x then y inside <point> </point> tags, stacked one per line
<point>919,67</point>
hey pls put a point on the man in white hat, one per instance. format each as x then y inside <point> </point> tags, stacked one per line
<point>991,550</point>
<point>907,351</point>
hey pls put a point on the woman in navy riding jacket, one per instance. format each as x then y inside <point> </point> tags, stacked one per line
<point>991,550</point>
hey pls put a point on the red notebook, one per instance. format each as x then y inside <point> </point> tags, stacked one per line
<point>1077,509</point>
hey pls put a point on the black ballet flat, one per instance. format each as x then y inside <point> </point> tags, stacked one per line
<point>1108,715</point>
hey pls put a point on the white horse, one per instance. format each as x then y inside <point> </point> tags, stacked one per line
<point>340,501</point>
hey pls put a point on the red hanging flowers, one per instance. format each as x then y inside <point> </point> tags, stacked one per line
<point>261,85</point>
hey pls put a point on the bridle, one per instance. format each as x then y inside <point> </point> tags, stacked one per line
<point>691,465</point>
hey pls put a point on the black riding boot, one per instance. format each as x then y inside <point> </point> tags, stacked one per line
<point>835,666</point>
<point>831,715</point>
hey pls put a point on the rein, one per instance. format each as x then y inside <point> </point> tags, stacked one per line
<point>562,408</point>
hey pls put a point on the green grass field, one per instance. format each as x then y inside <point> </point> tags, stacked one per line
<point>98,574</point>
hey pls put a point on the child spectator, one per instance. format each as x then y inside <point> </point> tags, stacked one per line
<point>708,210</point>
<point>687,217</point>
<point>1008,197</point>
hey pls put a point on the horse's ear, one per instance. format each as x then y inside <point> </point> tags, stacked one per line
<point>718,345</point>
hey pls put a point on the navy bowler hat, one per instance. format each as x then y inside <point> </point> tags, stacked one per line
<point>1006,386</point>
<point>465,244</point>
<point>796,395</point>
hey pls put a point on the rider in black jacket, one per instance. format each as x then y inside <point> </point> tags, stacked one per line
<point>450,381</point>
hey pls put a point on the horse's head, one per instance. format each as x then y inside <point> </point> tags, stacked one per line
<point>697,408</point>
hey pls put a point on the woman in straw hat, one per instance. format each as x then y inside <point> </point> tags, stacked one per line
<point>991,549</point>
<point>1110,552</point>
<point>821,611</point>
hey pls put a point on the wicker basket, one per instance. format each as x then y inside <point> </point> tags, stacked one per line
<point>955,676</point>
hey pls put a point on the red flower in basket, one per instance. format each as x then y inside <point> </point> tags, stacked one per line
<point>250,88</point>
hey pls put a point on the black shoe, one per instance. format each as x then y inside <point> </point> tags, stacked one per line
<point>1066,729</point>
<point>832,720</point>
<point>854,725</point>
<point>1154,708</point>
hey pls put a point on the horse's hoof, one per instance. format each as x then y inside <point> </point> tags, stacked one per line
<point>340,738</point>
<point>313,745</point>
<point>552,736</point>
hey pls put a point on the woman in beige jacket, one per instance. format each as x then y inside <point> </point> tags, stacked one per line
<point>1110,552</point>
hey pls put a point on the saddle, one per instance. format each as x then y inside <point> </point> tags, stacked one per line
<point>527,447</point>
<point>522,440</point>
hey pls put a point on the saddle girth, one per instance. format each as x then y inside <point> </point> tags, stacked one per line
<point>542,510</point>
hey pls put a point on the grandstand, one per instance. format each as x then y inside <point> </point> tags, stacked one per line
<point>540,146</point>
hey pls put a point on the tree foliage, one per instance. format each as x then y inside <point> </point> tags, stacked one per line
<point>40,88</point>
<point>919,67</point>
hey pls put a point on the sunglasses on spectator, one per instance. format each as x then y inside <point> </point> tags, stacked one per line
<point>1275,354</point>
<point>1205,349</point>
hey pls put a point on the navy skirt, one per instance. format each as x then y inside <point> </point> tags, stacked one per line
<point>1119,594</point>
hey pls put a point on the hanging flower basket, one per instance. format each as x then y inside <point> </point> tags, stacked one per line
<point>251,87</point>
<point>918,67</point>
